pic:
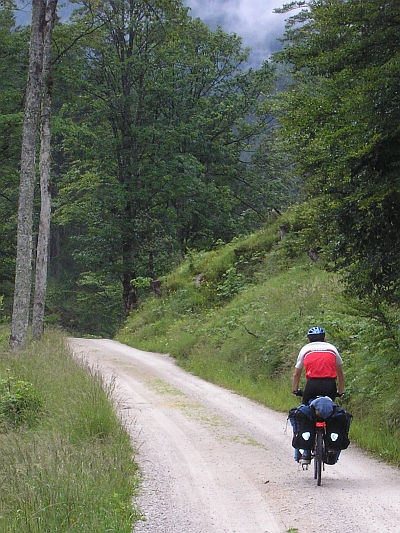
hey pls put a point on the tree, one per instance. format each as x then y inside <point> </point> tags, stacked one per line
<point>43,16</point>
<point>45,187</point>
<point>340,120</point>
<point>155,139</point>
<point>22,289</point>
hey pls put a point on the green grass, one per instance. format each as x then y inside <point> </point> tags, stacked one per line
<point>242,327</point>
<point>74,470</point>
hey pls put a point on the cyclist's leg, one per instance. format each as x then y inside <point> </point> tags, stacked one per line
<point>311,390</point>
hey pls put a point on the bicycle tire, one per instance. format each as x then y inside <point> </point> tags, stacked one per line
<point>319,456</point>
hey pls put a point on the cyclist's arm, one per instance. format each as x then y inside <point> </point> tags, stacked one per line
<point>340,378</point>
<point>296,379</point>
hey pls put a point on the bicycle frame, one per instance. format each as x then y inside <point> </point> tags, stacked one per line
<point>319,449</point>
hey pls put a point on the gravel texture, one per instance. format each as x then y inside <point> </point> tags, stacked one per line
<point>215,462</point>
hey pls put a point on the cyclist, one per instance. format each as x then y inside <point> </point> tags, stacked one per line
<point>323,365</point>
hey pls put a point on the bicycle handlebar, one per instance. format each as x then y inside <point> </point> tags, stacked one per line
<point>300,392</point>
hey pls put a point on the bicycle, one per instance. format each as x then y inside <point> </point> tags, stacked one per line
<point>319,453</point>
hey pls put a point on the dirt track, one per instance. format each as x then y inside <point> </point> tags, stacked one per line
<point>214,462</point>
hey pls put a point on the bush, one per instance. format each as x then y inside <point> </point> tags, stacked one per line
<point>20,404</point>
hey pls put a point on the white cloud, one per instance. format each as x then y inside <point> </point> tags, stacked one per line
<point>253,20</point>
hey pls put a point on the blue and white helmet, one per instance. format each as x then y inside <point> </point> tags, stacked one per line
<point>315,330</point>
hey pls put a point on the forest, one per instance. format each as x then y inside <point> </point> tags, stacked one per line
<point>164,143</point>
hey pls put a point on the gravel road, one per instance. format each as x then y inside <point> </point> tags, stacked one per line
<point>215,462</point>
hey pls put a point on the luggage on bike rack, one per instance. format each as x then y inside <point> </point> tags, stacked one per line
<point>302,421</point>
<point>337,430</point>
<point>337,422</point>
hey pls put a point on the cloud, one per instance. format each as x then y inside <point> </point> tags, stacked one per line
<point>253,20</point>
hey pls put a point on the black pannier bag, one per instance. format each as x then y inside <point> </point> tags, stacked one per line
<point>303,424</point>
<point>337,430</point>
<point>337,422</point>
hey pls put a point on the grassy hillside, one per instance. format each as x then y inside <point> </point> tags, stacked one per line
<point>237,316</point>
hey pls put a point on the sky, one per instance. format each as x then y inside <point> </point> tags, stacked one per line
<point>253,20</point>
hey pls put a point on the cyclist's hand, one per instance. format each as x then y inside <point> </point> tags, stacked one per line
<point>298,392</point>
<point>339,395</point>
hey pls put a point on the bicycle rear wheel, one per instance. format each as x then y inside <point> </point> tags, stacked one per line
<point>319,456</point>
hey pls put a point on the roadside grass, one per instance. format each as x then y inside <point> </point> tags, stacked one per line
<point>239,320</point>
<point>372,436</point>
<point>74,469</point>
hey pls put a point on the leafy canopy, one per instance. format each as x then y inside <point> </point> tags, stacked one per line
<point>340,119</point>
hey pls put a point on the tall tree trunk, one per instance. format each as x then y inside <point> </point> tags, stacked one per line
<point>23,269</point>
<point>45,184</point>
<point>129,292</point>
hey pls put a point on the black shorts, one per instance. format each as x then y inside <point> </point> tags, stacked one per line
<point>319,387</point>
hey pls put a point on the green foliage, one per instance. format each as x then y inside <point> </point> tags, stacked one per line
<point>20,404</point>
<point>339,121</point>
<point>141,283</point>
<point>14,56</point>
<point>74,469</point>
<point>150,138</point>
<point>232,283</point>
<point>89,305</point>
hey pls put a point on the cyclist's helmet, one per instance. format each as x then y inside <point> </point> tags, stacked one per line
<point>315,330</point>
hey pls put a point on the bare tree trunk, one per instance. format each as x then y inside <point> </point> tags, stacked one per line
<point>39,300</point>
<point>129,292</point>
<point>23,269</point>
